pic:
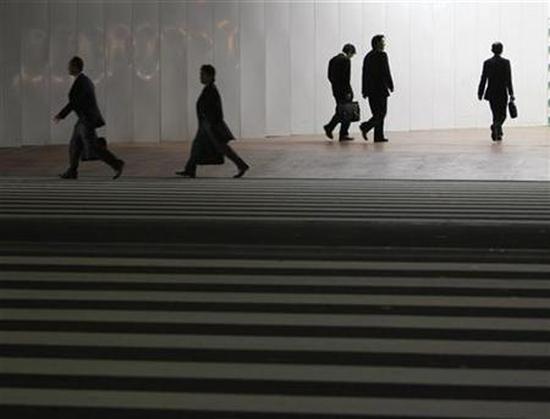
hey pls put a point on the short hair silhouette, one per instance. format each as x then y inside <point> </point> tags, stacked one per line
<point>349,49</point>
<point>376,40</point>
<point>209,70</point>
<point>497,48</point>
<point>78,63</point>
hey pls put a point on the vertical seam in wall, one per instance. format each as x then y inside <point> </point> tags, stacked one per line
<point>239,67</point>
<point>105,66</point>
<point>159,49</point>
<point>49,25</point>
<point>315,42</point>
<point>132,133</point>
<point>266,129</point>
<point>49,17</point>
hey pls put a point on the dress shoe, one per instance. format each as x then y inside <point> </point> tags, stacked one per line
<point>381,140</point>
<point>183,173</point>
<point>118,170</point>
<point>364,133</point>
<point>328,132</point>
<point>242,171</point>
<point>69,174</point>
<point>346,138</point>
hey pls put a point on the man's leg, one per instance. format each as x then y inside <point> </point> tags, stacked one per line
<point>231,154</point>
<point>498,109</point>
<point>228,152</point>
<point>75,151</point>
<point>90,135</point>
<point>376,119</point>
<point>335,120</point>
<point>381,110</point>
<point>501,117</point>
<point>368,125</point>
<point>191,165</point>
<point>344,123</point>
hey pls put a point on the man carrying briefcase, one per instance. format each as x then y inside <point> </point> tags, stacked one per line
<point>339,75</point>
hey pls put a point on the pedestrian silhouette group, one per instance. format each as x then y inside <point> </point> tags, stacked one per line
<point>211,142</point>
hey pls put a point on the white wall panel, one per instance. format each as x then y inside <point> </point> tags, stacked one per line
<point>467,65</point>
<point>119,54</point>
<point>327,45</point>
<point>511,37</point>
<point>36,118</point>
<point>227,55</point>
<point>422,66</point>
<point>3,62</point>
<point>146,100</point>
<point>200,50</point>
<point>63,46</point>
<point>277,36</point>
<point>398,30</point>
<point>271,55</point>
<point>533,98</point>
<point>173,64</point>
<point>443,71</point>
<point>253,80</point>
<point>10,75</point>
<point>91,46</point>
<point>351,31</point>
<point>487,31</point>
<point>374,23</point>
<point>302,67</point>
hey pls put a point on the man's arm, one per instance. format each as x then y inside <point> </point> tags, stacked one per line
<point>346,78</point>
<point>64,112</point>
<point>509,84</point>
<point>213,107</point>
<point>387,73</point>
<point>482,82</point>
<point>365,77</point>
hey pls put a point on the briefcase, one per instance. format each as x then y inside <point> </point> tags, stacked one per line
<point>349,111</point>
<point>89,151</point>
<point>512,109</point>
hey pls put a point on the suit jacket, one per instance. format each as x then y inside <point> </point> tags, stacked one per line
<point>339,75</point>
<point>83,102</point>
<point>377,80</point>
<point>497,77</point>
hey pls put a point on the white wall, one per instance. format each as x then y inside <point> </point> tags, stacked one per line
<point>271,57</point>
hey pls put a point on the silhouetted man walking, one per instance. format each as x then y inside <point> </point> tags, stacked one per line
<point>84,141</point>
<point>211,143</point>
<point>377,85</point>
<point>497,77</point>
<point>339,75</point>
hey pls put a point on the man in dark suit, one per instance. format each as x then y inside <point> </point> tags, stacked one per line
<point>497,77</point>
<point>84,142</point>
<point>339,74</point>
<point>211,142</point>
<point>377,85</point>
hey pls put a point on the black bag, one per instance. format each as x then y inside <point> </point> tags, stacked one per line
<point>207,152</point>
<point>349,111</point>
<point>89,152</point>
<point>512,109</point>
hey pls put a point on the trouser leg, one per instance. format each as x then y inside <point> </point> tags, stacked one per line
<point>231,154</point>
<point>338,119</point>
<point>498,109</point>
<point>75,149</point>
<point>344,127</point>
<point>191,165</point>
<point>379,109</point>
<point>89,135</point>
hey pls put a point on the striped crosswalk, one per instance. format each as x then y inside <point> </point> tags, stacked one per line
<point>114,305</point>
